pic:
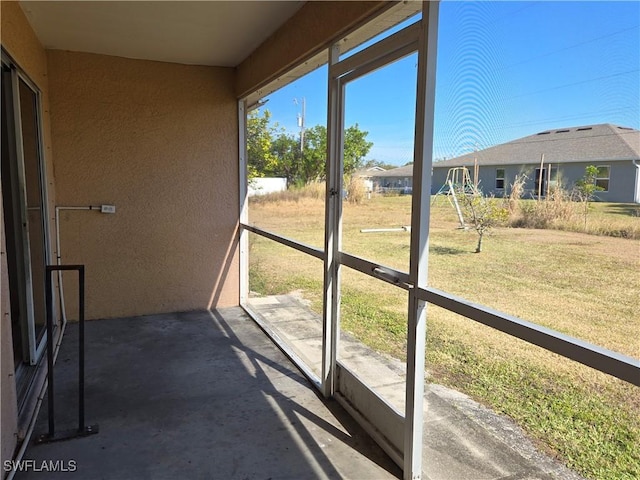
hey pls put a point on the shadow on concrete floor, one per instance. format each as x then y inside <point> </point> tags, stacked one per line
<point>198,395</point>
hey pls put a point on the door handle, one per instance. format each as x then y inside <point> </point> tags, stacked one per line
<point>390,277</point>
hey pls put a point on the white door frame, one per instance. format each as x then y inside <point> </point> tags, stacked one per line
<point>35,348</point>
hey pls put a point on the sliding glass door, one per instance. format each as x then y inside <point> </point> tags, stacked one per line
<point>24,213</point>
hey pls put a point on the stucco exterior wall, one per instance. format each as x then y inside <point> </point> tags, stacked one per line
<point>19,40</point>
<point>622,179</point>
<point>160,142</point>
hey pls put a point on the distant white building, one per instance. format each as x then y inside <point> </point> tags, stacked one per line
<point>264,185</point>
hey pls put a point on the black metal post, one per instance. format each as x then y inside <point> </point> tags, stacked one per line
<point>81,350</point>
<point>82,430</point>
<point>49,307</point>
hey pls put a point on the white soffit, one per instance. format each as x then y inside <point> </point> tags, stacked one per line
<point>190,32</point>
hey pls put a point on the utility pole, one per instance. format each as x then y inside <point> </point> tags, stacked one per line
<point>301,120</point>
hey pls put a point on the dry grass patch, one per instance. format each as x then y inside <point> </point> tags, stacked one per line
<point>584,285</point>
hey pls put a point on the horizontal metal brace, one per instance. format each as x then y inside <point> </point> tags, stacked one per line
<point>301,247</point>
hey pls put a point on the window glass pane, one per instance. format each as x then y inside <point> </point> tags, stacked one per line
<point>35,207</point>
<point>378,164</point>
<point>286,293</point>
<point>546,109</point>
<point>286,149</point>
<point>373,334</point>
<point>588,409</point>
<point>603,183</point>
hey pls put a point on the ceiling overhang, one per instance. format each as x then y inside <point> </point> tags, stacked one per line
<point>216,33</point>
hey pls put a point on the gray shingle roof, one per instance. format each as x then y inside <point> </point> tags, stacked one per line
<point>368,172</point>
<point>590,143</point>
<point>406,171</point>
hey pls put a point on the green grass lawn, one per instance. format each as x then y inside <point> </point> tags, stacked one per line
<point>583,285</point>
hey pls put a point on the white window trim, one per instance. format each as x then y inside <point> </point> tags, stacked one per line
<point>607,178</point>
<point>503,178</point>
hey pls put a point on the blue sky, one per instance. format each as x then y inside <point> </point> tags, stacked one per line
<point>504,70</point>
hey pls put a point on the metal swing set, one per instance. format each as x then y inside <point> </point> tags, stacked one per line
<point>458,181</point>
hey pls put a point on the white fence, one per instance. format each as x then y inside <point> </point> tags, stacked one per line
<point>264,185</point>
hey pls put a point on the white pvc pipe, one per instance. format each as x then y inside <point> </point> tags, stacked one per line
<point>32,424</point>
<point>59,255</point>
<point>406,228</point>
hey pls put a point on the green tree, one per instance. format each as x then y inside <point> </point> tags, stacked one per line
<point>586,187</point>
<point>378,163</point>
<point>315,154</point>
<point>273,152</point>
<point>260,158</point>
<point>356,147</point>
<point>480,212</point>
<point>288,158</point>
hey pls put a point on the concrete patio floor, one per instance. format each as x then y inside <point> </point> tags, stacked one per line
<point>207,395</point>
<point>198,395</point>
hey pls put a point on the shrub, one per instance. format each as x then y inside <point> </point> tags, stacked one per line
<point>482,213</point>
<point>356,190</point>
<point>585,189</point>
<point>556,209</point>
<point>517,191</point>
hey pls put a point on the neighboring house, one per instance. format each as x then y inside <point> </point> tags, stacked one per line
<point>614,150</point>
<point>399,179</point>
<point>367,175</point>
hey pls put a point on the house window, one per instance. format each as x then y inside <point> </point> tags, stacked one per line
<point>554,180</point>
<point>602,178</point>
<point>500,178</point>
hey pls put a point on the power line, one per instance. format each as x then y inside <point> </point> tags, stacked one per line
<point>569,47</point>
<point>574,83</point>
<point>510,14</point>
